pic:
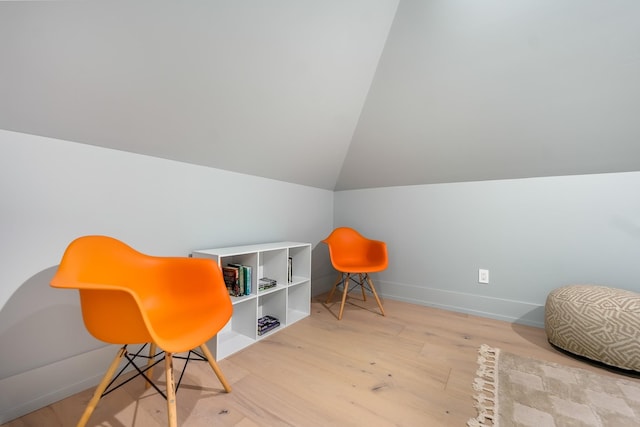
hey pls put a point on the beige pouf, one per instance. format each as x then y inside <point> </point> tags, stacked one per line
<point>597,322</point>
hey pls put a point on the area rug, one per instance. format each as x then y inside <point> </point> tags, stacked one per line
<point>519,391</point>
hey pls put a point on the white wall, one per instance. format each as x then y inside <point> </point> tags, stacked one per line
<point>52,191</point>
<point>532,234</point>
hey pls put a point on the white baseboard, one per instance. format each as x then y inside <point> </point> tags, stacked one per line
<point>496,308</point>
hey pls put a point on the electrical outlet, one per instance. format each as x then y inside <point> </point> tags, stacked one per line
<point>483,276</point>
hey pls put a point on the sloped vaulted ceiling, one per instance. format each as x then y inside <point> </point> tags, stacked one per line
<point>335,94</point>
<point>495,89</point>
<point>268,88</point>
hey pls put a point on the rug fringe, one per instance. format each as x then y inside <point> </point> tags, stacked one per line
<point>486,384</point>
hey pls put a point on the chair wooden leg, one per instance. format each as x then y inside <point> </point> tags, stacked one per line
<point>345,291</point>
<point>215,367</point>
<point>375,294</point>
<point>171,390</point>
<point>364,295</point>
<point>149,373</point>
<point>335,286</point>
<point>97,394</point>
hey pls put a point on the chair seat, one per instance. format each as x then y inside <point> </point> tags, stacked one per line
<point>185,331</point>
<point>359,266</point>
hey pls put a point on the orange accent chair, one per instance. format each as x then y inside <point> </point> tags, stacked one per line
<point>353,254</point>
<point>174,303</point>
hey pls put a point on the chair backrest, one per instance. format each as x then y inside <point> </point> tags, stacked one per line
<point>348,249</point>
<point>128,297</point>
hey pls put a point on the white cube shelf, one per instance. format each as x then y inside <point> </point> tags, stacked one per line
<point>289,301</point>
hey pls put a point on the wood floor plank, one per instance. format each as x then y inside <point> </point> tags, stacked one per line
<point>412,367</point>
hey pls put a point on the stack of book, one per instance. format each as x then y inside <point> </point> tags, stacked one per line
<point>267,323</point>
<point>266,283</point>
<point>237,278</point>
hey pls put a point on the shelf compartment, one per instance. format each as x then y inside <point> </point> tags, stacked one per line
<point>240,331</point>
<point>273,264</point>
<point>229,342</point>
<point>250,260</point>
<point>273,304</point>
<point>298,302</point>
<point>300,263</point>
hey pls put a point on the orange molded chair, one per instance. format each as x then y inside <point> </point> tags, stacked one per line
<point>127,297</point>
<point>353,254</point>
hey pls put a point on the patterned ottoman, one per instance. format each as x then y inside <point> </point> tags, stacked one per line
<point>597,322</point>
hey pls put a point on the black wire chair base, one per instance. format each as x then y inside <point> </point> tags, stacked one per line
<point>360,281</point>
<point>349,282</point>
<point>131,361</point>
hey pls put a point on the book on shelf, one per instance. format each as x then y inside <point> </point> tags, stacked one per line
<point>247,276</point>
<point>244,279</point>
<point>265,283</point>
<point>267,323</point>
<point>241,279</point>
<point>290,270</point>
<point>231,277</point>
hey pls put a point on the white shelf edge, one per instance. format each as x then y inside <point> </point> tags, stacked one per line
<point>298,280</point>
<point>230,342</point>
<point>278,287</point>
<point>243,298</point>
<point>294,316</point>
<point>272,331</point>
<point>247,249</point>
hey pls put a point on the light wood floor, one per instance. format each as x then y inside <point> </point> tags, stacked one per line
<point>413,367</point>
